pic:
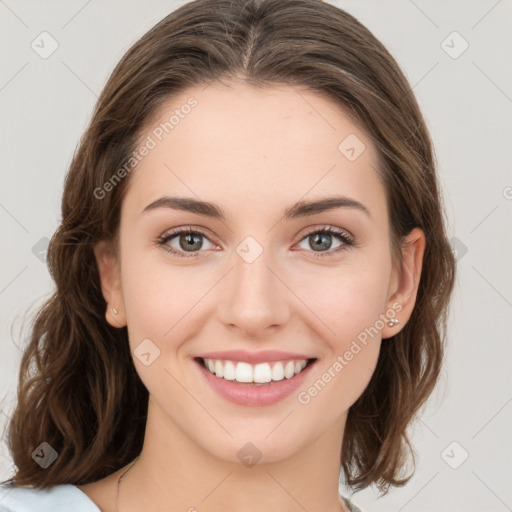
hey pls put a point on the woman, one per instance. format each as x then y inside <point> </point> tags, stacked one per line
<point>252,275</point>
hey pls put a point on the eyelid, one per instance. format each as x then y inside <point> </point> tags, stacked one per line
<point>186,229</point>
<point>328,228</point>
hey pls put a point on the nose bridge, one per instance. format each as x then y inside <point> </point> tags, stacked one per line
<point>255,297</point>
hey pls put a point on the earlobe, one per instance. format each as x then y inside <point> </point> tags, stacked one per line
<point>407,281</point>
<point>114,318</point>
<point>108,271</point>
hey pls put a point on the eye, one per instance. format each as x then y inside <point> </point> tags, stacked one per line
<point>180,241</point>
<point>322,239</point>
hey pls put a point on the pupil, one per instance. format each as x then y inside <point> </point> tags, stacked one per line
<point>320,238</point>
<point>189,241</point>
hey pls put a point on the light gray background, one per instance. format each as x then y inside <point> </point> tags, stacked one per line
<point>467,102</point>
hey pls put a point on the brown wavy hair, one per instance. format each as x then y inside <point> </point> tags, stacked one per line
<point>78,389</point>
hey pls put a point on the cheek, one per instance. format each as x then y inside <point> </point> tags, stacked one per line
<point>353,314</point>
<point>347,299</point>
<point>351,304</point>
<point>162,300</point>
<point>162,304</point>
<point>350,348</point>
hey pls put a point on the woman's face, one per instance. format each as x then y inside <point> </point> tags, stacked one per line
<point>255,285</point>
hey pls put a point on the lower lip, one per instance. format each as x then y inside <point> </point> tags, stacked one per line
<point>250,394</point>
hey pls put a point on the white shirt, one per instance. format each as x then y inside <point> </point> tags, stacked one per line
<point>60,498</point>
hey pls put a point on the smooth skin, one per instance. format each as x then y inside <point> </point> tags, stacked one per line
<point>253,152</point>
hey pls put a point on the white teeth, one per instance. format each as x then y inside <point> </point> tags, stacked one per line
<point>229,371</point>
<point>219,369</point>
<point>243,372</point>
<point>289,370</point>
<point>262,373</point>
<point>259,373</point>
<point>278,372</point>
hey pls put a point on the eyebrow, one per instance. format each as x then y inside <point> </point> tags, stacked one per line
<point>299,209</point>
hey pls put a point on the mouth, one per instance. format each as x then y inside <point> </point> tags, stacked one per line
<point>260,374</point>
<point>249,384</point>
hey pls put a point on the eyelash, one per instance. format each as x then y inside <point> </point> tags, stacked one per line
<point>342,236</point>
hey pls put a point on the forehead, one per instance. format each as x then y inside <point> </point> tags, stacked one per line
<point>244,146</point>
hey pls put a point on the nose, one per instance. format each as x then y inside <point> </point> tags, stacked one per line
<point>255,300</point>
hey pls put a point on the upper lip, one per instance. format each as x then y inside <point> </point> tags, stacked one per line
<point>262,356</point>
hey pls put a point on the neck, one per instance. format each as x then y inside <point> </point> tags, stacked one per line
<point>175,473</point>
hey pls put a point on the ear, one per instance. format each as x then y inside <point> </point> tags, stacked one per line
<point>108,269</point>
<point>405,281</point>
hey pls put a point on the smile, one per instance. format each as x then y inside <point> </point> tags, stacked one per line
<point>261,373</point>
<point>257,383</point>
